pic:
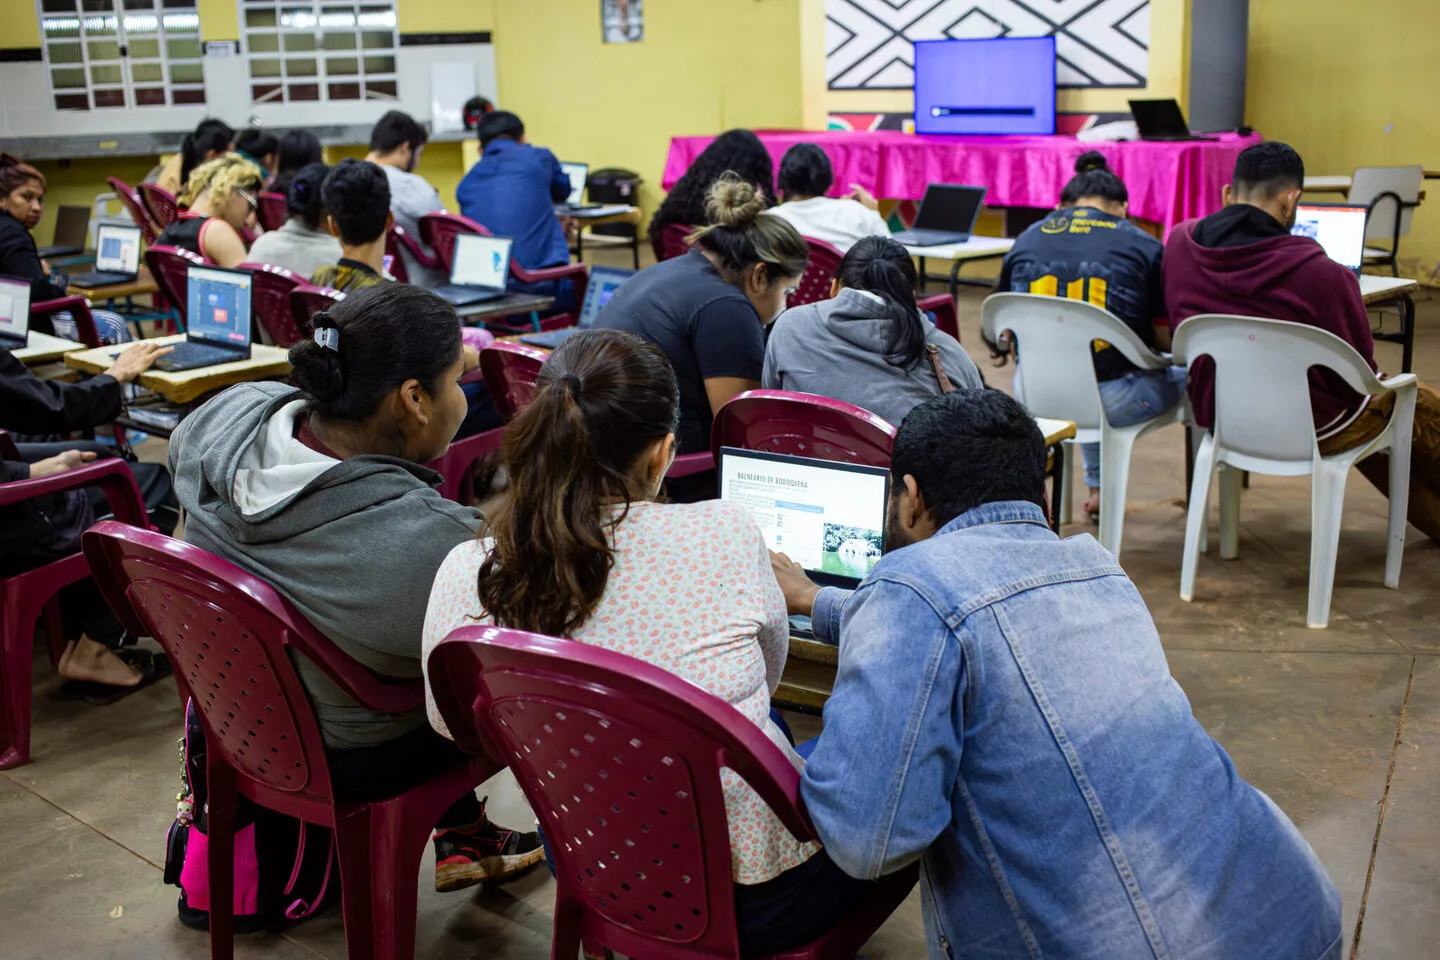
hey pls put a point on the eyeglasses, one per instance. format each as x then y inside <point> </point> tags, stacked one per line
<point>254,203</point>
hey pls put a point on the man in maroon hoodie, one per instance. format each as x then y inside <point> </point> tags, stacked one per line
<point>1244,260</point>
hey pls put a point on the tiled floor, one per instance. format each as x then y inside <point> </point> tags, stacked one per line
<point>1341,727</point>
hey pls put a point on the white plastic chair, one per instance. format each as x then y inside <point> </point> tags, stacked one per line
<point>1391,194</point>
<point>1263,424</point>
<point>1055,377</point>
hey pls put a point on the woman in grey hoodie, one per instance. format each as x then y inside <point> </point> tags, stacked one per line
<point>867,344</point>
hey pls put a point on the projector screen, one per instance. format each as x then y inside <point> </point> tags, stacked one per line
<point>985,86</point>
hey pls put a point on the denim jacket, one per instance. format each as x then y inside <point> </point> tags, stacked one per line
<point>1003,712</point>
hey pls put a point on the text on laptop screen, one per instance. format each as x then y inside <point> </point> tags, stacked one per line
<point>117,249</point>
<point>993,86</point>
<point>480,261</point>
<point>219,306</point>
<point>1339,229</point>
<point>949,207</point>
<point>578,174</point>
<point>14,307</point>
<point>827,517</point>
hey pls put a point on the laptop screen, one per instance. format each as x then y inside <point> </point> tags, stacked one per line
<point>219,305</point>
<point>480,261</point>
<point>578,174</point>
<point>14,308</point>
<point>828,517</point>
<point>603,283</point>
<point>1340,229</point>
<point>950,207</point>
<point>117,249</point>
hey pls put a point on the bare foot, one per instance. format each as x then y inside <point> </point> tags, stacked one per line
<point>1092,504</point>
<point>88,660</point>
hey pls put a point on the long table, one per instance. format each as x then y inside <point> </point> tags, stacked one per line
<point>1168,182</point>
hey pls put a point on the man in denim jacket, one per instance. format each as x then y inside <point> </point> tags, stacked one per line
<point>1004,712</point>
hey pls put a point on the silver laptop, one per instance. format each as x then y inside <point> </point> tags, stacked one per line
<point>947,214</point>
<point>117,257</point>
<point>579,174</point>
<point>14,312</point>
<point>1338,227</point>
<point>478,271</point>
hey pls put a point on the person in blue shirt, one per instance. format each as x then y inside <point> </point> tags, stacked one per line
<point>512,192</point>
<point>1003,713</point>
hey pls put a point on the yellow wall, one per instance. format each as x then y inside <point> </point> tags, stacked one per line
<point>21,25</point>
<point>1347,84</point>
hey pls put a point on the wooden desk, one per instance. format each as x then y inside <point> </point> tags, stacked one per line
<point>976,248</point>
<point>628,215</point>
<point>265,363</point>
<point>1380,291</point>
<point>43,348</point>
<point>142,285</point>
<point>1341,184</point>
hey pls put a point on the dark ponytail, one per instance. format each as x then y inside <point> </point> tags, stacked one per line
<point>380,337</point>
<point>602,398</point>
<point>303,199</point>
<point>209,135</point>
<point>881,266</point>
<point>1093,178</point>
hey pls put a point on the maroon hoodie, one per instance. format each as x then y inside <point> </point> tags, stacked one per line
<point>1242,261</point>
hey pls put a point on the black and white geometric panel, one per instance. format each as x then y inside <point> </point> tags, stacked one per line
<point>1098,43</point>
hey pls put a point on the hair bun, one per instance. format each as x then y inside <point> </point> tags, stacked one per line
<point>733,202</point>
<point>9,160</point>
<point>317,371</point>
<point>1091,160</point>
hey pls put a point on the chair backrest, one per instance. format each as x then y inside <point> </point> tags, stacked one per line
<point>134,206</point>
<point>510,371</point>
<point>169,266</point>
<point>814,284</point>
<point>1054,337</point>
<point>270,302</point>
<point>274,210</point>
<point>1370,183</point>
<point>672,240</point>
<point>399,269</point>
<point>802,425</point>
<point>439,230</point>
<point>1262,394</point>
<point>307,300</point>
<point>160,202</point>
<point>621,762</point>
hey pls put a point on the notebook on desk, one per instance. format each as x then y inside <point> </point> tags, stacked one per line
<point>478,271</point>
<point>1338,227</point>
<point>117,257</point>
<point>14,312</point>
<point>603,283</point>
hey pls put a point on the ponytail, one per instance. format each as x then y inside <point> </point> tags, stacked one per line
<point>603,397</point>
<point>881,266</point>
<point>1094,178</point>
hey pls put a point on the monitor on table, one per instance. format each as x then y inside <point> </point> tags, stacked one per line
<point>117,249</point>
<point>1338,227</point>
<point>218,308</point>
<point>1000,86</point>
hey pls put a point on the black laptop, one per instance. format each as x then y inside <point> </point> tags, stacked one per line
<point>579,174</point>
<point>947,214</point>
<point>14,312</point>
<point>1162,121</point>
<point>72,226</point>
<point>217,319</point>
<point>117,257</point>
<point>601,286</point>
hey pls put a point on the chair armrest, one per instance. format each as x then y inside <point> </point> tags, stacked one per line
<point>72,302</point>
<point>425,258</point>
<point>357,681</point>
<point>113,476</point>
<point>549,273</point>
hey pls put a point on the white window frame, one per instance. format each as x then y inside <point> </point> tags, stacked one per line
<point>310,38</point>
<point>160,22</point>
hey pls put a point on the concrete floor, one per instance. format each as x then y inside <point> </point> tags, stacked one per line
<point>1341,727</point>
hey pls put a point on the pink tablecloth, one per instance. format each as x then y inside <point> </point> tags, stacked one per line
<point>1168,182</point>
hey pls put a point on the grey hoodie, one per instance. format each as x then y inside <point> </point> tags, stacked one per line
<point>354,544</point>
<point>836,348</point>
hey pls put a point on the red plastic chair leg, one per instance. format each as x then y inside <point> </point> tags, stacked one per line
<point>380,847</point>
<point>17,631</point>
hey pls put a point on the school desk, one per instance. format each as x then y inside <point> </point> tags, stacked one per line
<point>1384,291</point>
<point>43,348</point>
<point>183,386</point>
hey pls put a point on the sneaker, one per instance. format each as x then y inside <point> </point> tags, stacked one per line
<point>465,856</point>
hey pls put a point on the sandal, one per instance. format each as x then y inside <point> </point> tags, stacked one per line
<point>152,667</point>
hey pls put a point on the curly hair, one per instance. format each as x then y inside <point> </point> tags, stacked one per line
<point>222,176</point>
<point>736,151</point>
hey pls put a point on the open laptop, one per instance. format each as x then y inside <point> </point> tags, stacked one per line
<point>828,517</point>
<point>579,174</point>
<point>217,315</point>
<point>947,214</point>
<point>603,283</point>
<point>1162,120</point>
<point>72,228</point>
<point>1338,227</point>
<point>117,257</point>
<point>478,271</point>
<point>14,312</point>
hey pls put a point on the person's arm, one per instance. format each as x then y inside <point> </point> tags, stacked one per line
<point>1354,317</point>
<point>774,633</point>
<point>221,243</point>
<point>729,345</point>
<point>559,180</point>
<point>879,785</point>
<point>1159,326</point>
<point>721,390</point>
<point>31,405</point>
<point>18,258</point>
<point>1002,282</point>
<point>806,598</point>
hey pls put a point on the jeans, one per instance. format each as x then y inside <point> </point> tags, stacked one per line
<point>1131,399</point>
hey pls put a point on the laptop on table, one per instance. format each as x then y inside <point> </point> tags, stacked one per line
<point>579,174</point>
<point>478,271</point>
<point>947,214</point>
<point>72,227</point>
<point>1162,121</point>
<point>117,257</point>
<point>14,312</point>
<point>217,320</point>
<point>603,283</point>
<point>1338,227</point>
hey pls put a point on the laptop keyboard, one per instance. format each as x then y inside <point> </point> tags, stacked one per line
<point>190,354</point>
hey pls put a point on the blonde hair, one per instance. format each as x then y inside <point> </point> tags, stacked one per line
<point>222,176</point>
<point>742,232</point>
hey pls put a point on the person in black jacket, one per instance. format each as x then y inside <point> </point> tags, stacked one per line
<point>48,528</point>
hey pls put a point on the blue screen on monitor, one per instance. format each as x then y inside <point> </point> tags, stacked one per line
<point>219,305</point>
<point>985,86</point>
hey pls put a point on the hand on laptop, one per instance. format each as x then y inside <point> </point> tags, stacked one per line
<point>135,360</point>
<point>799,589</point>
<point>865,197</point>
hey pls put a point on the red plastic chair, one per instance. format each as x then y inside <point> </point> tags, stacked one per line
<point>24,596</point>
<point>230,635</point>
<point>510,371</point>
<point>270,302</point>
<point>815,282</point>
<point>621,762</point>
<point>942,305</point>
<point>307,300</point>
<point>79,309</point>
<point>273,211</point>
<point>457,465</point>
<point>403,249</point>
<point>671,242</point>
<point>134,206</point>
<point>169,266</point>
<point>803,425</point>
<point>160,202</point>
